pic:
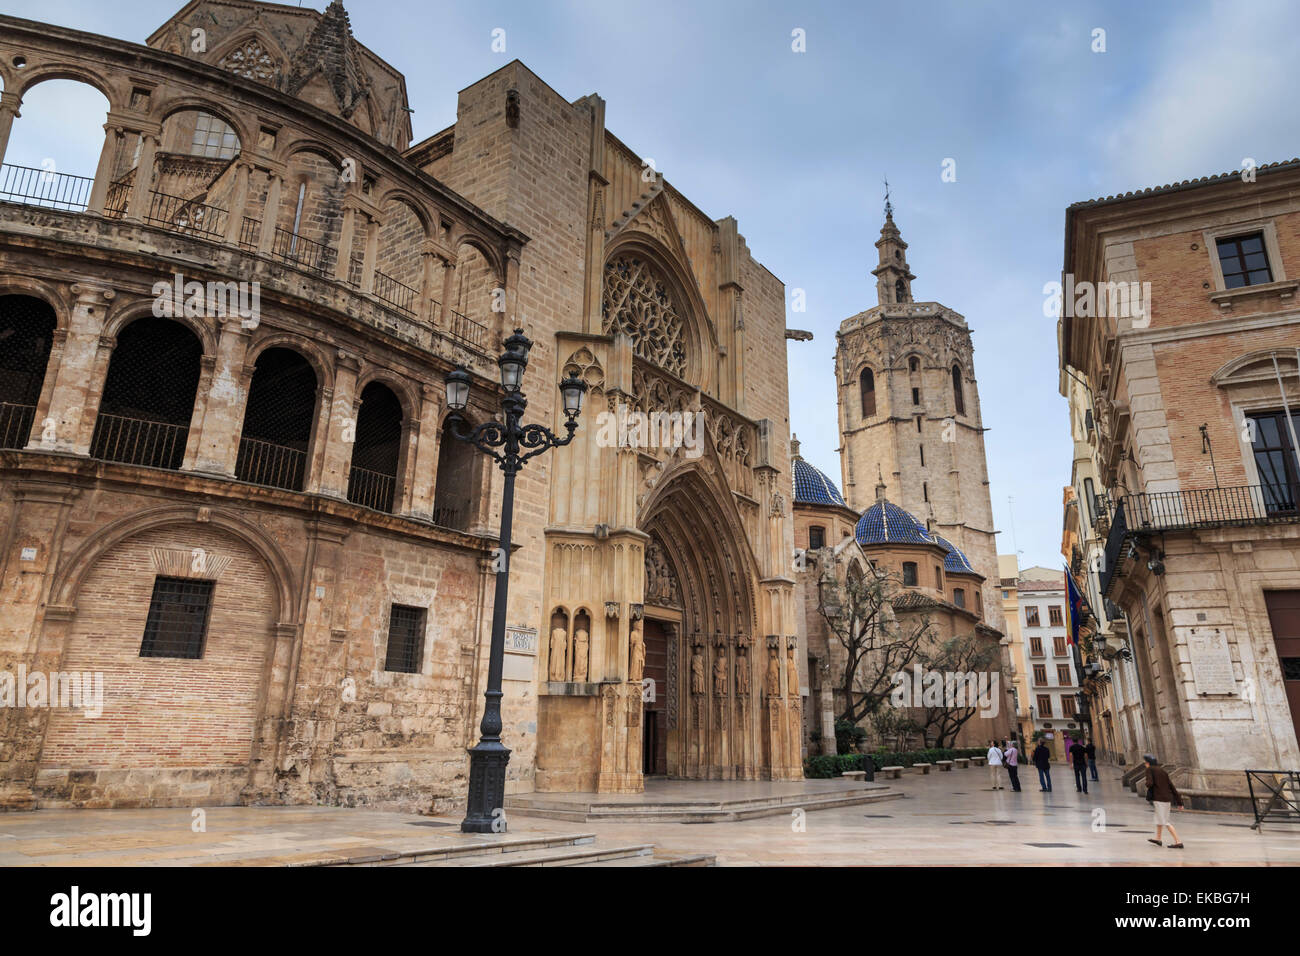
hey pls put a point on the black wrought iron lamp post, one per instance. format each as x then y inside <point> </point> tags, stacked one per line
<point>510,443</point>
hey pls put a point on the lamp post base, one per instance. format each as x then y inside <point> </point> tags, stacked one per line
<point>487,788</point>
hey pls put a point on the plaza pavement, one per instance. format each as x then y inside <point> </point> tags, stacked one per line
<point>938,819</point>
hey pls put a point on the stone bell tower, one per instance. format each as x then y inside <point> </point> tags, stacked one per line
<point>909,411</point>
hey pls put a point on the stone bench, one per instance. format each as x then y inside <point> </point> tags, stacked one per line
<point>979,761</point>
<point>943,764</point>
<point>857,775</point>
<point>921,767</point>
<point>892,773</point>
<point>962,762</point>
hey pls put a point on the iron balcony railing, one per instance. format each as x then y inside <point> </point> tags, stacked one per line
<point>250,231</point>
<point>117,198</point>
<point>1163,511</point>
<point>266,463</point>
<point>450,516</point>
<point>465,330</point>
<point>187,215</point>
<point>136,441</point>
<point>16,424</point>
<point>397,294</point>
<point>42,187</point>
<point>371,489</point>
<point>301,251</point>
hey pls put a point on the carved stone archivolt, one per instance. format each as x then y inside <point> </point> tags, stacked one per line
<point>639,302</point>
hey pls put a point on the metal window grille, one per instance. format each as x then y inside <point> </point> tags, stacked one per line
<point>148,398</point>
<point>26,332</point>
<point>178,618</point>
<point>372,481</point>
<point>405,639</point>
<point>277,421</point>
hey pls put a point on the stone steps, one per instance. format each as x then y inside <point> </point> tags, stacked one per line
<point>573,849</point>
<point>540,805</point>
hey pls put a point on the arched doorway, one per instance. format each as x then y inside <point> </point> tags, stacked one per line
<point>700,622</point>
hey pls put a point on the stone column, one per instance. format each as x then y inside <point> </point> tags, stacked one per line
<point>340,428</point>
<point>343,261</point>
<point>78,376</point>
<point>430,261</point>
<point>113,136</point>
<point>140,198</point>
<point>372,256</point>
<point>223,417</point>
<point>425,453</point>
<point>238,202</point>
<point>270,212</point>
<point>9,104</point>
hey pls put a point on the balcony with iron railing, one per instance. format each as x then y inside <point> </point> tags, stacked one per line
<point>266,463</point>
<point>396,294</point>
<point>1137,516</point>
<point>44,187</point>
<point>372,489</point>
<point>464,330</point>
<point>15,424</point>
<point>136,441</point>
<point>186,216</point>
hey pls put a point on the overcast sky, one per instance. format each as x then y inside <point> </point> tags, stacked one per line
<point>795,146</point>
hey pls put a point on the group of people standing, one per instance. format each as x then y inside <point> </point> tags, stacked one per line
<point>1082,757</point>
<point>1002,754</point>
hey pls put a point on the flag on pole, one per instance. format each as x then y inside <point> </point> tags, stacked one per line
<point>1074,607</point>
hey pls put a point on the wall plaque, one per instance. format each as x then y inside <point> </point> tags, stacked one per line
<point>521,640</point>
<point>1211,658</point>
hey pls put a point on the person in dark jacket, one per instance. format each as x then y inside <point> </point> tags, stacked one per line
<point>1163,794</point>
<point>1091,750</point>
<point>1079,758</point>
<point>1043,761</point>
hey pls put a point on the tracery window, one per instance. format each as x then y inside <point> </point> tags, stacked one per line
<point>249,60</point>
<point>638,302</point>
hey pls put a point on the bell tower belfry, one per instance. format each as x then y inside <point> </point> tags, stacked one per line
<point>909,414</point>
<point>893,277</point>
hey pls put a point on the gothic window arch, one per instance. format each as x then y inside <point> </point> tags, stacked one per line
<point>867,383</point>
<point>958,398</point>
<point>639,301</point>
<point>900,291</point>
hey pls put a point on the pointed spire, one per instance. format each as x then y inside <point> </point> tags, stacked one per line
<point>893,277</point>
<point>880,485</point>
<point>794,447</point>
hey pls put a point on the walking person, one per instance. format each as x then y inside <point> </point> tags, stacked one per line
<point>1163,794</point>
<point>1013,768</point>
<point>1043,761</point>
<point>1079,758</point>
<point>995,766</point>
<point>1091,751</point>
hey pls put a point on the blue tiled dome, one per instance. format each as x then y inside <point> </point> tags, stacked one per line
<point>886,523</point>
<point>812,487</point>
<point>955,562</point>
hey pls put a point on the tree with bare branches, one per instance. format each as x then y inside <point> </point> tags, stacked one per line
<point>858,609</point>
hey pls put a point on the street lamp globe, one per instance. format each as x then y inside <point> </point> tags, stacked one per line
<point>514,360</point>
<point>457,389</point>
<point>574,391</point>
